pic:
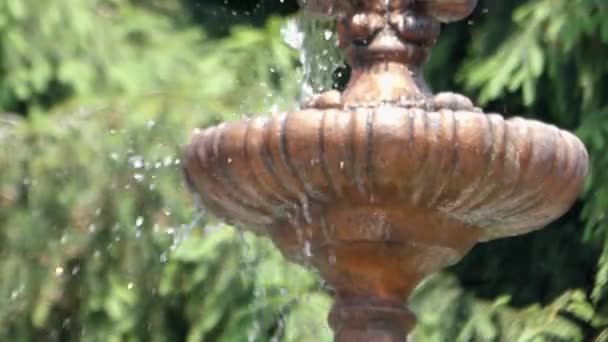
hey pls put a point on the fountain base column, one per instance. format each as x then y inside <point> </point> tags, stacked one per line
<point>356,319</point>
<point>374,256</point>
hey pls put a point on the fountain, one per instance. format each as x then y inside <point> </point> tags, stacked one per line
<point>383,183</point>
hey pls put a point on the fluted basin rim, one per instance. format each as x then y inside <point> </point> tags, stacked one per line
<point>507,177</point>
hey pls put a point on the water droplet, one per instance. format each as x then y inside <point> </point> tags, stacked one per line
<point>130,286</point>
<point>307,249</point>
<point>163,257</point>
<point>17,292</point>
<point>139,221</point>
<point>306,209</point>
<point>137,161</point>
<point>292,35</point>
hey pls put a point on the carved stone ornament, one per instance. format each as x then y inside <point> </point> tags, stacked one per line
<point>384,183</point>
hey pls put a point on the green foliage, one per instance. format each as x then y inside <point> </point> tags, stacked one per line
<point>559,44</point>
<point>555,58</point>
<point>100,241</point>
<point>79,48</point>
<point>460,315</point>
<point>97,239</point>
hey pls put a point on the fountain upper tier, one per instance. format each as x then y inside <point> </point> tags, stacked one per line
<point>386,140</point>
<point>386,42</point>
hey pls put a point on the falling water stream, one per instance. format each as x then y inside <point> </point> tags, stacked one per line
<point>136,168</point>
<point>315,40</point>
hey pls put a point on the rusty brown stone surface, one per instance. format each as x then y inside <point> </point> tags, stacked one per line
<point>385,183</point>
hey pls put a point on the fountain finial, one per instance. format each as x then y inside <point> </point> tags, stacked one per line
<point>386,43</point>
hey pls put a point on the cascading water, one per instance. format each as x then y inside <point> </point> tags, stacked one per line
<point>315,39</point>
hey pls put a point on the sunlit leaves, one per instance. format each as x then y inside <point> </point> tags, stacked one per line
<point>549,33</point>
<point>93,207</point>
<point>464,318</point>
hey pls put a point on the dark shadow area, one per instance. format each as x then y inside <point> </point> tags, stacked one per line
<point>532,268</point>
<point>218,16</point>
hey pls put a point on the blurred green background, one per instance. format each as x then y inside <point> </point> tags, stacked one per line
<point>100,241</point>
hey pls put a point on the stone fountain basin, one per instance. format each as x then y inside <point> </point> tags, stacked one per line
<point>507,177</point>
<point>369,193</point>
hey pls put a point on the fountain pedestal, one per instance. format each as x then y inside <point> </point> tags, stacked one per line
<point>385,183</point>
<point>367,319</point>
<point>374,256</point>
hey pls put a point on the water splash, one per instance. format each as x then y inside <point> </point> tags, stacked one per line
<point>186,229</point>
<point>314,38</point>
